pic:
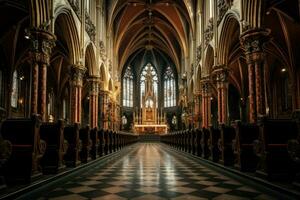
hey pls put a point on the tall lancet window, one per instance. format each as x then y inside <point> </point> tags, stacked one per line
<point>149,85</point>
<point>128,88</point>
<point>14,92</point>
<point>169,88</point>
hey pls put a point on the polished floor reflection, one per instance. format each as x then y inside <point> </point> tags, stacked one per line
<point>151,171</point>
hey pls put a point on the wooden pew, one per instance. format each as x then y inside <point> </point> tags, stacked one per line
<point>110,141</point>
<point>84,135</point>
<point>198,142</point>
<point>106,142</point>
<point>181,140</point>
<point>114,143</point>
<point>189,141</point>
<point>193,141</point>
<point>53,159</point>
<point>5,153</point>
<point>71,133</point>
<point>95,143</point>
<point>214,145</point>
<point>100,149</point>
<point>27,149</point>
<point>206,143</point>
<point>274,134</point>
<point>226,145</point>
<point>185,140</point>
<point>243,145</point>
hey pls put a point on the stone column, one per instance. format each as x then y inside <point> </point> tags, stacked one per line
<point>93,108</point>
<point>206,104</point>
<point>220,74</point>
<point>42,43</point>
<point>252,41</point>
<point>77,73</point>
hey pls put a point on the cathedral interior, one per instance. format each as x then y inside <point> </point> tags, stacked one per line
<point>150,99</point>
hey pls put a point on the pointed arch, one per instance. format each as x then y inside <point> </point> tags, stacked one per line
<point>65,21</point>
<point>209,60</point>
<point>229,36</point>
<point>90,59</point>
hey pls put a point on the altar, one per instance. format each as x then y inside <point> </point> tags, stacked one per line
<point>149,119</point>
<point>150,129</point>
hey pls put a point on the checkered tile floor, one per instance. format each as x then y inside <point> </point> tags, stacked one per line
<point>150,171</point>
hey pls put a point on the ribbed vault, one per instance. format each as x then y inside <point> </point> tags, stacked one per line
<point>161,25</point>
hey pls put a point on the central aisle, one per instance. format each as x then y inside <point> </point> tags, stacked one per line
<point>149,171</point>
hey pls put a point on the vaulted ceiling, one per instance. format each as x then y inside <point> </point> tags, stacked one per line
<point>145,25</point>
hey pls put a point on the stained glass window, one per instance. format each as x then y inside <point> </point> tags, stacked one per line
<point>14,92</point>
<point>128,88</point>
<point>149,72</point>
<point>169,88</point>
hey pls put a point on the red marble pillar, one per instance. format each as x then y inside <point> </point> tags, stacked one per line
<point>93,108</point>
<point>220,74</point>
<point>42,43</point>
<point>252,41</point>
<point>252,99</point>
<point>77,73</point>
<point>34,88</point>
<point>43,91</point>
<point>206,104</point>
<point>103,95</point>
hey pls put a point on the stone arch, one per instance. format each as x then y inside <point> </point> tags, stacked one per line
<point>229,36</point>
<point>90,60</point>
<point>67,23</point>
<point>209,60</point>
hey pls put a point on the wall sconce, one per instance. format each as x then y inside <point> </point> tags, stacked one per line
<point>27,34</point>
<point>283,70</point>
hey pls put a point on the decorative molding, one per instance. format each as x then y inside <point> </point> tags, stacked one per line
<point>223,6</point>
<point>75,6</point>
<point>90,27</point>
<point>103,55</point>
<point>198,53</point>
<point>208,33</point>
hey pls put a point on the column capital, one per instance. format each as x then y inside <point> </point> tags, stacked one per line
<point>252,41</point>
<point>205,85</point>
<point>42,43</point>
<point>94,82</point>
<point>220,73</point>
<point>77,72</point>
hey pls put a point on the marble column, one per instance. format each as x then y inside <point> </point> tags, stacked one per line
<point>42,43</point>
<point>206,103</point>
<point>77,73</point>
<point>220,74</point>
<point>252,42</point>
<point>93,107</point>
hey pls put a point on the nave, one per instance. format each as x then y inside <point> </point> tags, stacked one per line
<point>152,171</point>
